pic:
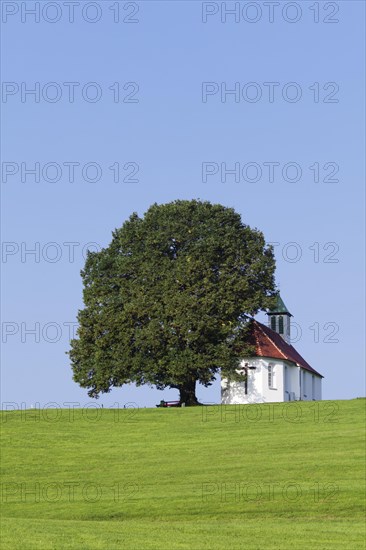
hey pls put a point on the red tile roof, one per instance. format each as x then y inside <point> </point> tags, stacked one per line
<point>270,344</point>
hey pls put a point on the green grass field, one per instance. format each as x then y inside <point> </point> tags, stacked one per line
<point>276,476</point>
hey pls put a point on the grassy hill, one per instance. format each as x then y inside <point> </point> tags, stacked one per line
<point>276,476</point>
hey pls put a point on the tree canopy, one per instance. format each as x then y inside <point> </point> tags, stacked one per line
<point>166,301</point>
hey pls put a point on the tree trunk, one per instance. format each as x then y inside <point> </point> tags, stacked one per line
<point>187,393</point>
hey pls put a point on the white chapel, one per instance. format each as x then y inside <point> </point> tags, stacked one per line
<point>277,372</point>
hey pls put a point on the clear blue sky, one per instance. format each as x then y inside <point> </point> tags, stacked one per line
<point>168,133</point>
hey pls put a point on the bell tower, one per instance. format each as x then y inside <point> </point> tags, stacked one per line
<point>279,320</point>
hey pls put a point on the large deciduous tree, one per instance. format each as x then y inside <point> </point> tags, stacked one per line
<point>166,301</point>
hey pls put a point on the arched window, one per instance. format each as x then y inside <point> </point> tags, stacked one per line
<point>273,323</point>
<point>280,325</point>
